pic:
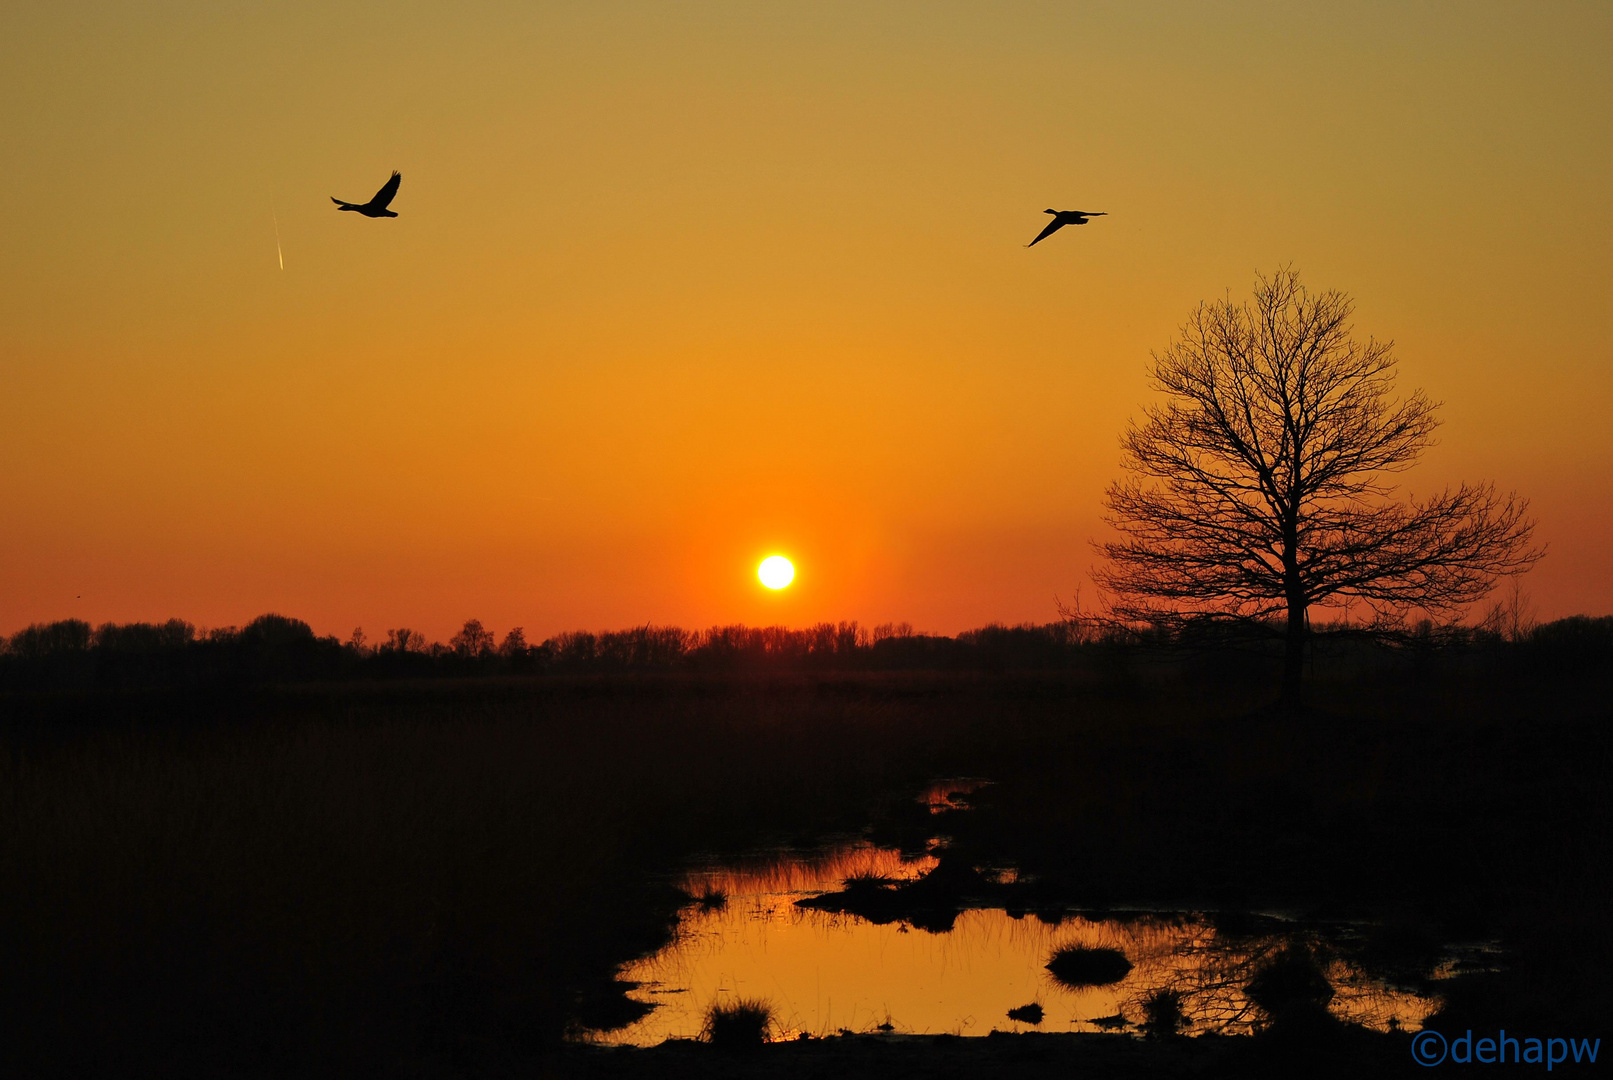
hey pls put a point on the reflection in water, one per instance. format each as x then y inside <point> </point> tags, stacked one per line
<point>786,876</point>
<point>941,795</point>
<point>825,973</point>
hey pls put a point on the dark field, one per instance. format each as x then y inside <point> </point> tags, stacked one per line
<point>439,877</point>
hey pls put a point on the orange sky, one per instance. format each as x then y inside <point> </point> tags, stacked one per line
<point>678,286</point>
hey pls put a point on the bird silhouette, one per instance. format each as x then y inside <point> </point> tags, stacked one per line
<point>376,207</point>
<point>1062,218</point>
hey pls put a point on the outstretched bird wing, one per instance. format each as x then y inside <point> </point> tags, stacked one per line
<point>388,190</point>
<point>1052,227</point>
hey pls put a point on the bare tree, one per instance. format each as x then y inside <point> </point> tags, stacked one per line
<point>1262,485</point>
<point>404,641</point>
<point>1513,616</point>
<point>514,644</point>
<point>472,640</point>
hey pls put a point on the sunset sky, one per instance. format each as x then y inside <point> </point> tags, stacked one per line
<point>678,286</point>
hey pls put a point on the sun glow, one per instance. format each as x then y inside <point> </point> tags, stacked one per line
<point>776,572</point>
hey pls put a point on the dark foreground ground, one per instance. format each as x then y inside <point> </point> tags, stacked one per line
<point>1031,1055</point>
<point>439,879</point>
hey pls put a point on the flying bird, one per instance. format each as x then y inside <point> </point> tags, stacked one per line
<point>1062,218</point>
<point>376,207</point>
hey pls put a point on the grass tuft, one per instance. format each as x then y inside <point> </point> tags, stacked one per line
<point>743,1022</point>
<point>1162,1012</point>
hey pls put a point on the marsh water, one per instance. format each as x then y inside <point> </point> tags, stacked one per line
<point>823,973</point>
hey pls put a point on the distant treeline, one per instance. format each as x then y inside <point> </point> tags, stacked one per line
<point>72,655</point>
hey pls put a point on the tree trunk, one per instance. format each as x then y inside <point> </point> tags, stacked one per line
<point>1294,656</point>
<point>1294,642</point>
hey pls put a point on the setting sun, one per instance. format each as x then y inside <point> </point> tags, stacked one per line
<point>776,572</point>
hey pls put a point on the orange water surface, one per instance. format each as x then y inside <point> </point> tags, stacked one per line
<point>824,973</point>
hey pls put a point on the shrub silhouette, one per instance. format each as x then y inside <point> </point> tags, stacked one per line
<point>1079,966</point>
<point>1290,983</point>
<point>737,1024</point>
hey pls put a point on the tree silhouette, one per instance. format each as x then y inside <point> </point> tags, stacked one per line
<point>1261,486</point>
<point>473,640</point>
<point>514,645</point>
<point>404,641</point>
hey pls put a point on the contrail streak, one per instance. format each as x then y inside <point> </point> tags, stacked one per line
<point>277,251</point>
